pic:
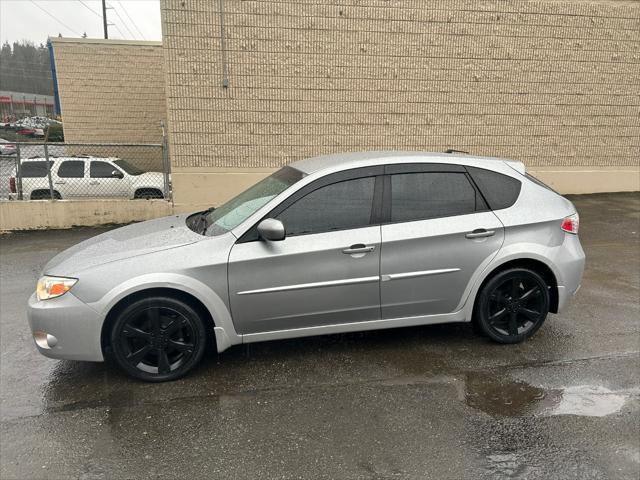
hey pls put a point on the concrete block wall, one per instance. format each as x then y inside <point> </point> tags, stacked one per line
<point>552,83</point>
<point>110,90</point>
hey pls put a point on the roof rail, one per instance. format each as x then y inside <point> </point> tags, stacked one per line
<point>451,150</point>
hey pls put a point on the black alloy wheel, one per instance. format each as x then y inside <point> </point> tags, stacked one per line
<point>513,305</point>
<point>158,339</point>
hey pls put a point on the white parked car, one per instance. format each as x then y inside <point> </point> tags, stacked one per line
<point>74,177</point>
<point>6,147</point>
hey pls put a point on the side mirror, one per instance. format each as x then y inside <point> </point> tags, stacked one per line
<point>117,174</point>
<point>271,229</point>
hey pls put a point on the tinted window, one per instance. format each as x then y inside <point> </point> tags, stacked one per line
<point>337,206</point>
<point>35,169</point>
<point>417,196</point>
<point>101,170</point>
<point>71,169</point>
<point>501,191</point>
<point>127,167</point>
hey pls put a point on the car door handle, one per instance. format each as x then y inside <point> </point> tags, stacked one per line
<point>480,232</point>
<point>60,183</point>
<point>359,248</point>
<point>95,182</point>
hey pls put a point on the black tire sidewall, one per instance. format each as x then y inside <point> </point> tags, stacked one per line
<point>483,299</point>
<point>192,317</point>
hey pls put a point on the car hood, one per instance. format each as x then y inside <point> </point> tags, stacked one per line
<point>125,242</point>
<point>153,177</point>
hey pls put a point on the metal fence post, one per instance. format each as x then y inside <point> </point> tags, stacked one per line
<point>18,172</point>
<point>166,166</point>
<point>46,159</point>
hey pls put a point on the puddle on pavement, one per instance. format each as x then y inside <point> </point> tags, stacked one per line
<point>589,401</point>
<point>505,465</point>
<point>514,398</point>
<point>504,396</point>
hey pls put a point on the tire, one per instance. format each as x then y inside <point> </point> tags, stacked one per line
<point>512,305</point>
<point>148,193</point>
<point>45,195</point>
<point>158,339</point>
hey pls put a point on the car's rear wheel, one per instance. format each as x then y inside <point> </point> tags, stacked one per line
<point>45,195</point>
<point>158,339</point>
<point>512,305</point>
<point>148,193</point>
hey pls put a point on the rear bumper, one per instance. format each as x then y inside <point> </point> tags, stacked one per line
<point>570,265</point>
<point>72,328</point>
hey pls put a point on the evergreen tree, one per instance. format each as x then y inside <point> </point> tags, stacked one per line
<point>25,67</point>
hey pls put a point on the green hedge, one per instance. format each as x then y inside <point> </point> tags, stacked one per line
<point>56,133</point>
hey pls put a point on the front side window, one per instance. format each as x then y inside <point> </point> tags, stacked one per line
<point>238,209</point>
<point>338,206</point>
<point>101,170</point>
<point>71,169</point>
<point>423,195</point>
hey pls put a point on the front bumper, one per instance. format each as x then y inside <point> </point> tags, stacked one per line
<point>75,326</point>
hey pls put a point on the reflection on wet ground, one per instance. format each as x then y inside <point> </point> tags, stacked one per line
<point>493,391</point>
<point>504,396</point>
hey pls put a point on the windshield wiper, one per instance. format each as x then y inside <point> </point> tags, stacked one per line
<point>203,221</point>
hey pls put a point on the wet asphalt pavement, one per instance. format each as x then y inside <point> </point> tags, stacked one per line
<point>427,402</point>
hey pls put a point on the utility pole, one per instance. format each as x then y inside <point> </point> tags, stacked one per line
<point>104,18</point>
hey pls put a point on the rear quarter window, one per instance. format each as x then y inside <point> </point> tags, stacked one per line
<point>500,191</point>
<point>35,169</point>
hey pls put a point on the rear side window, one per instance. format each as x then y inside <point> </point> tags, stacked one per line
<point>419,196</point>
<point>35,169</point>
<point>101,170</point>
<point>500,191</point>
<point>71,169</point>
<point>338,206</point>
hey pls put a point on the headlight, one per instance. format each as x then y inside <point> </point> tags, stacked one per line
<point>51,287</point>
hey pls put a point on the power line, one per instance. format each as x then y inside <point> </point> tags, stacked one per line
<point>90,9</point>
<point>56,19</point>
<point>124,23</point>
<point>131,19</point>
<point>118,28</point>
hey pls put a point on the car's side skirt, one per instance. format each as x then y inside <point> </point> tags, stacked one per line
<point>458,316</point>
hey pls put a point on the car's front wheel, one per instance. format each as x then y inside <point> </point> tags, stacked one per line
<point>512,305</point>
<point>158,339</point>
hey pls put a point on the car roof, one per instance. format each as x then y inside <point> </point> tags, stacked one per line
<point>54,158</point>
<point>339,161</point>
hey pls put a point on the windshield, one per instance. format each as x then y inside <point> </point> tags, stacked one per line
<point>238,209</point>
<point>127,167</point>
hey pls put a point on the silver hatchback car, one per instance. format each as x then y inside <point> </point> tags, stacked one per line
<point>331,244</point>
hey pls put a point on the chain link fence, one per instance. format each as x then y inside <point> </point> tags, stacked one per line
<point>57,171</point>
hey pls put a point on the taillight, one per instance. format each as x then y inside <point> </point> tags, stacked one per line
<point>12,184</point>
<point>571,223</point>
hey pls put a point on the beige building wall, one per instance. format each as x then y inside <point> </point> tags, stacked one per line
<point>552,83</point>
<point>110,90</point>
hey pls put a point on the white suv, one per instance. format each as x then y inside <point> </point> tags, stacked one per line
<point>74,177</point>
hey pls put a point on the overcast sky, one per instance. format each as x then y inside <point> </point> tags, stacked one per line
<point>35,20</point>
